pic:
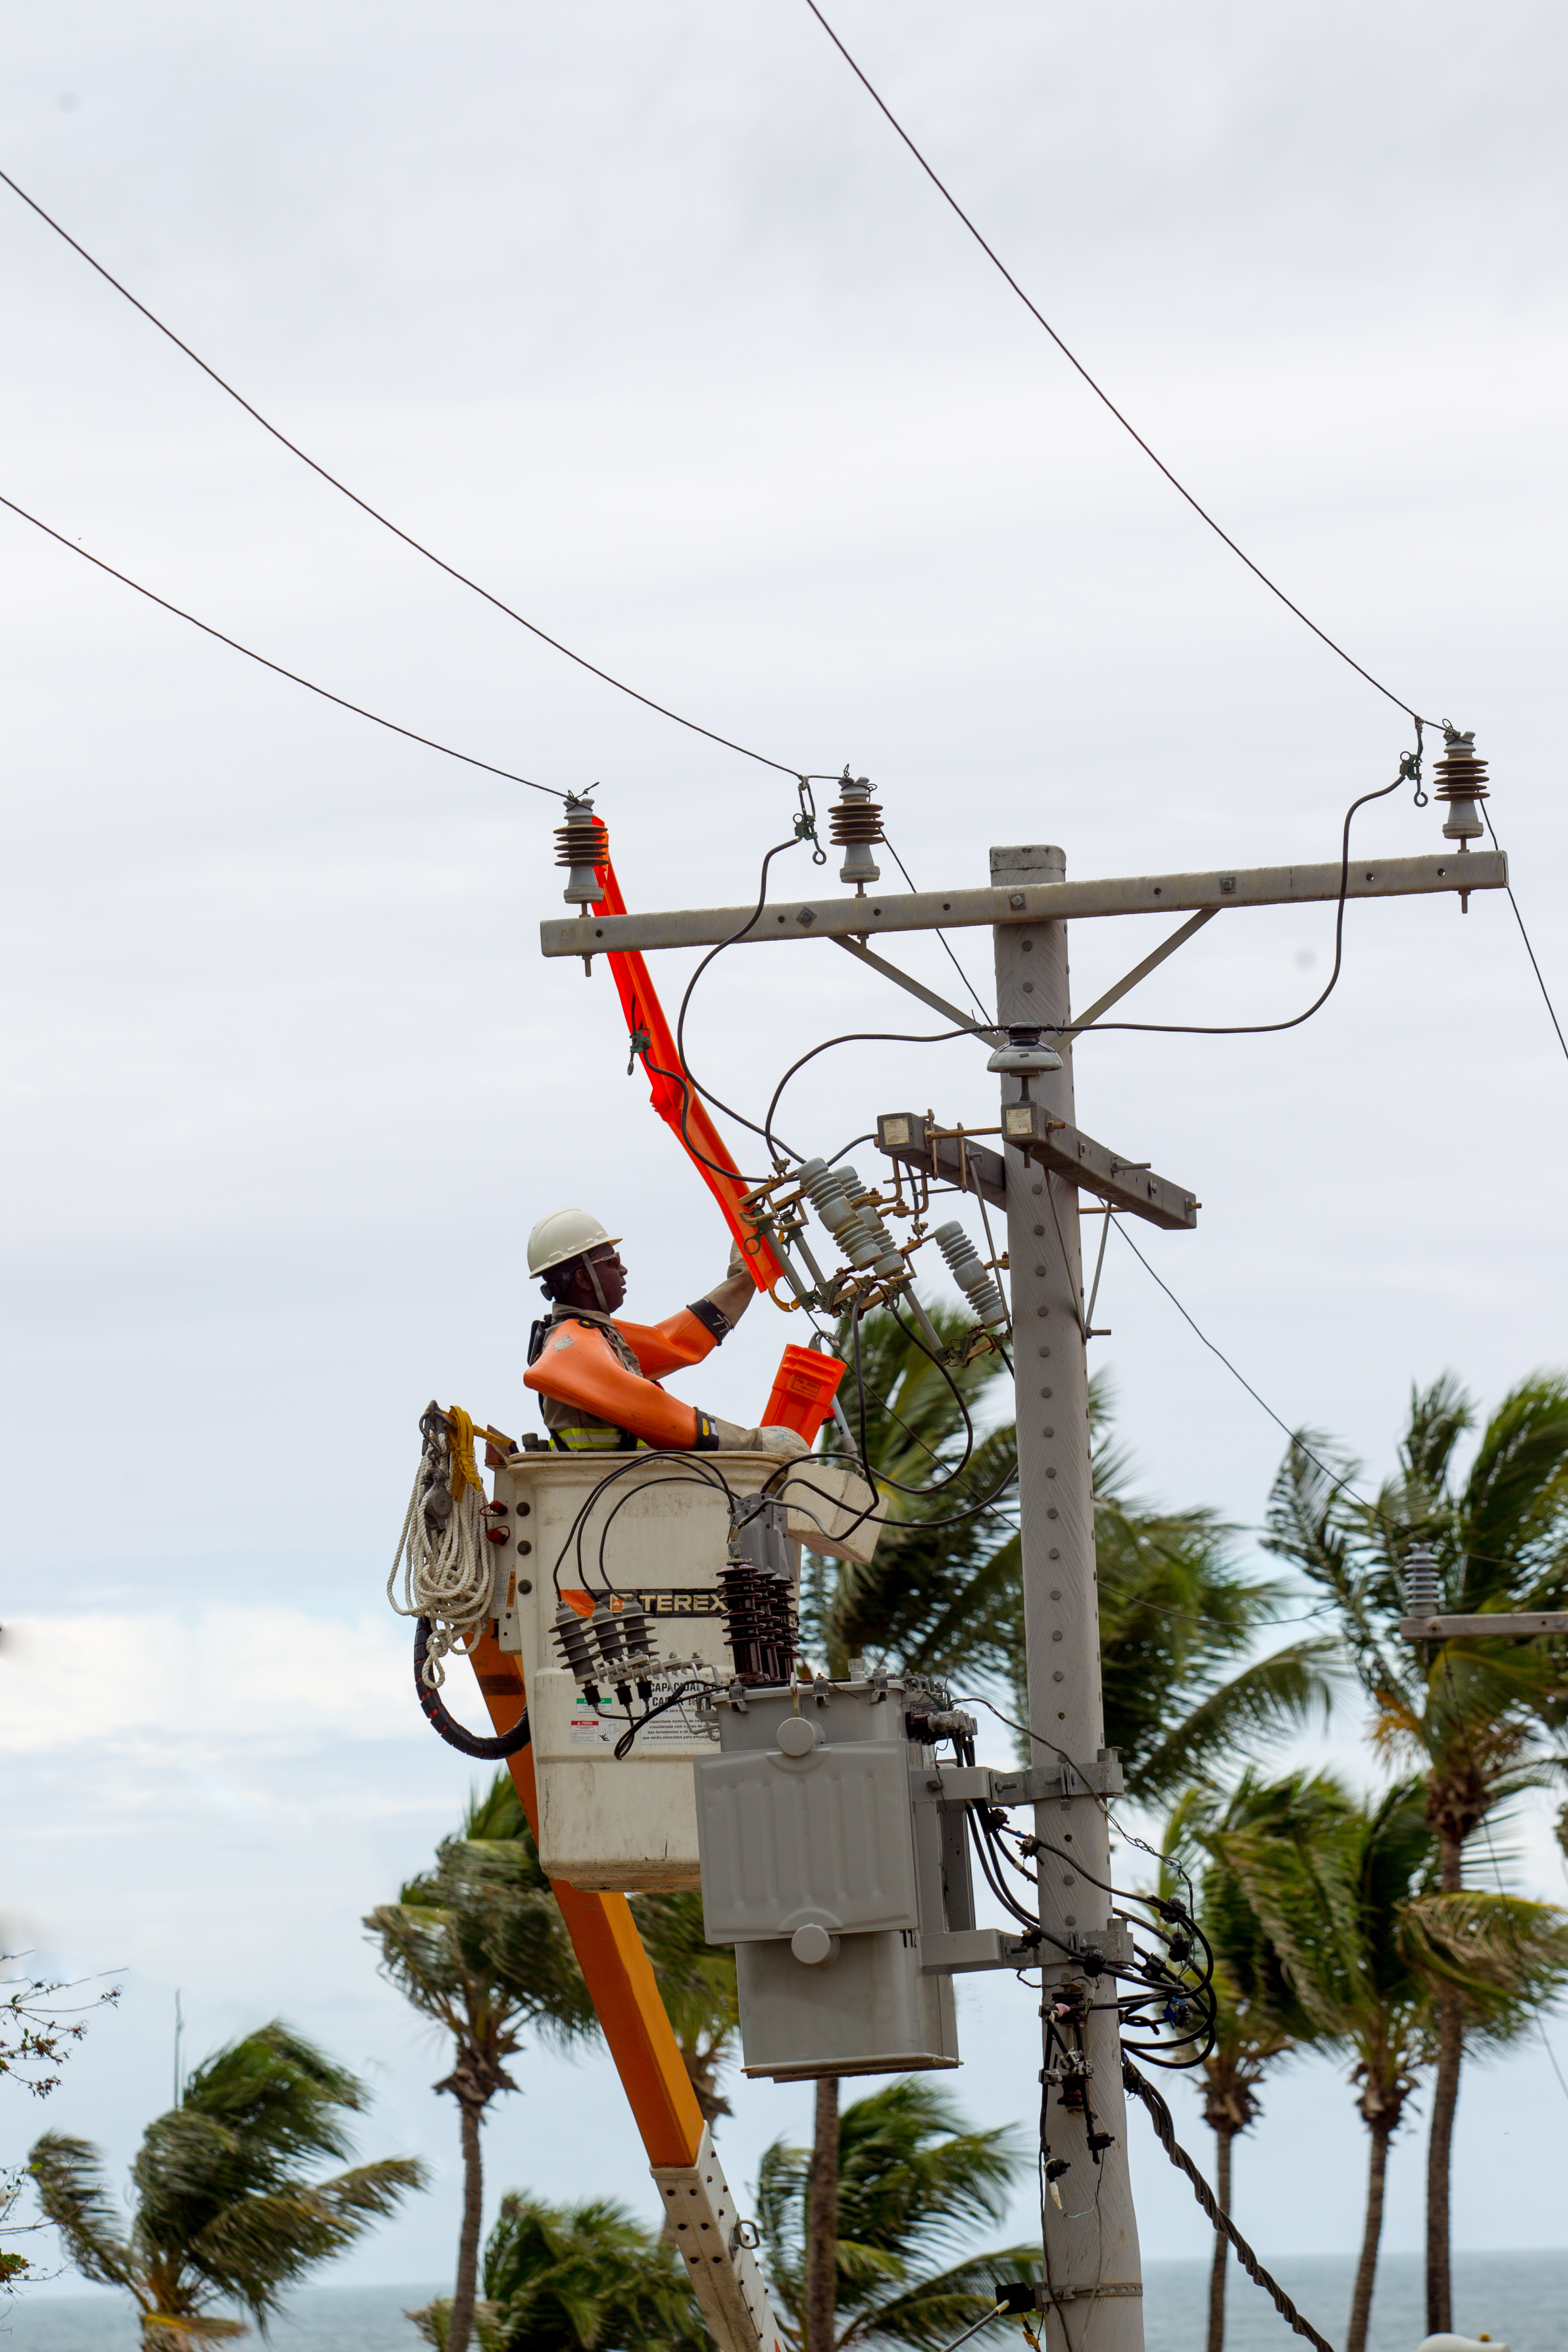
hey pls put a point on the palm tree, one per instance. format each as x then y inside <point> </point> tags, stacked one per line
<point>573,2278</point>
<point>1476,1716</point>
<point>224,2210</point>
<point>696,1978</point>
<point>913,2186</point>
<point>1259,2020</point>
<point>477,1945</point>
<point>1177,1618</point>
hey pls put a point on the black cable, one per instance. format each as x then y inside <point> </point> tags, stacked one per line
<point>1529,950</point>
<point>292,675</point>
<point>1336,1483</point>
<point>708,1472</point>
<point>1040,319</point>
<point>1165,2132</point>
<point>387,524</point>
<point>624,1744</point>
<point>680,1054</point>
<point>1265,1028</point>
<point>466,1743</point>
<point>850,1037</point>
<point>941,935</point>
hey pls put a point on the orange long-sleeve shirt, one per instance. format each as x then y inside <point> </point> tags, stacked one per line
<point>599,1379</point>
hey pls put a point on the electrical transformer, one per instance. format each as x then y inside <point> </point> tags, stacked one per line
<point>843,1884</point>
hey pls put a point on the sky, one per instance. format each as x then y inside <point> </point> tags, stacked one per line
<point>644,318</point>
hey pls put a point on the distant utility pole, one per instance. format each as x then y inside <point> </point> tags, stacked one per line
<point>1093,2284</point>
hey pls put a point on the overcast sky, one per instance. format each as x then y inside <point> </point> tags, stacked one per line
<point>642,316</point>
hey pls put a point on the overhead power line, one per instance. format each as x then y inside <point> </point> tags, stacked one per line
<point>1099,391</point>
<point>374,512</point>
<point>1529,951</point>
<point>291,674</point>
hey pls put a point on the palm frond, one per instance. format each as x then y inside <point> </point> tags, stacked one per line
<point>75,2196</point>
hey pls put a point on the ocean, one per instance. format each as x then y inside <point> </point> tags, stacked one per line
<point>1521,2299</point>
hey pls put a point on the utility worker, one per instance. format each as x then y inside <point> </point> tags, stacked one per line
<point>598,1378</point>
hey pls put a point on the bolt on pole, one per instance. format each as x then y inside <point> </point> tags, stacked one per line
<point>1093,2277</point>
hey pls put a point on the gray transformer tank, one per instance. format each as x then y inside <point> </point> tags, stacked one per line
<point>827,1864</point>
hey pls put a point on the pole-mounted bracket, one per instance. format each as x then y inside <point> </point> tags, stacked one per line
<point>1122,1183</point>
<point>980,1784</point>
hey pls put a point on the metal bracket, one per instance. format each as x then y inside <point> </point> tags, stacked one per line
<point>1129,981</point>
<point>909,1137</point>
<point>971,1949</point>
<point>979,1784</point>
<point>926,995</point>
<point>1049,2297</point>
<point>1125,1183</point>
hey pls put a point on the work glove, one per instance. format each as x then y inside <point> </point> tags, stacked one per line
<point>733,1439</point>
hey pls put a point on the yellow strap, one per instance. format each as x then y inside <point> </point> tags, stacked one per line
<point>465,1471</point>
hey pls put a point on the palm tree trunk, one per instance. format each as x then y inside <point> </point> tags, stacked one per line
<point>1366,2270</point>
<point>822,2221</point>
<point>1444,2101</point>
<point>1223,2140</point>
<point>460,2326</point>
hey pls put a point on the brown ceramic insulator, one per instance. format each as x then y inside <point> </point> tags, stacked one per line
<point>583,841</point>
<point>849,822</point>
<point>1461,774</point>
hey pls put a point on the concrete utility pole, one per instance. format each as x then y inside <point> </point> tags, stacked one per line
<point>1093,2274</point>
<point>1094,2288</point>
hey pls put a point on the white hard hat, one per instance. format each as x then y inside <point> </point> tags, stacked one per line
<point>566,1233</point>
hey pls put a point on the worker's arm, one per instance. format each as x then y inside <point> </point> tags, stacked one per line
<point>578,1366</point>
<point>685,1337</point>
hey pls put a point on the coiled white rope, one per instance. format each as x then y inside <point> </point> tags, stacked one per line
<point>447,1572</point>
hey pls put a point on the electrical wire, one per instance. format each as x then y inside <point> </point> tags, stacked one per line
<point>292,675</point>
<point>1529,950</point>
<point>947,946</point>
<point>850,1037</point>
<point>1337,1481</point>
<point>1098,391</point>
<point>680,1052</point>
<point>1407,772</point>
<point>385,520</point>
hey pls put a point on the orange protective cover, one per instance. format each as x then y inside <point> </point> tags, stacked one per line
<point>578,1366</point>
<point>804,1389</point>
